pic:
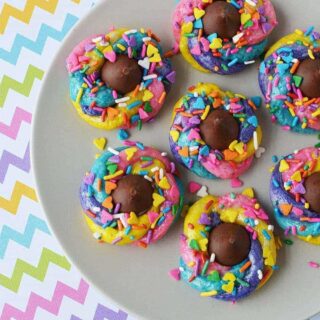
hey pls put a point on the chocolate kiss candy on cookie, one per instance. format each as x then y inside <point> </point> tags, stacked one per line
<point>219,129</point>
<point>312,195</point>
<point>123,75</point>
<point>222,18</point>
<point>230,243</point>
<point>134,193</point>
<point>309,70</point>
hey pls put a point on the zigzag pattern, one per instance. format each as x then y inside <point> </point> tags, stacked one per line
<point>52,306</point>
<point>47,256</point>
<point>24,239</point>
<point>38,45</point>
<point>23,88</point>
<point>8,159</point>
<point>25,14</point>
<point>103,312</point>
<point>12,130</point>
<point>20,189</point>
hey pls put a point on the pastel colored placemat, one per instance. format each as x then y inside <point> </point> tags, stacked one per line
<point>36,279</point>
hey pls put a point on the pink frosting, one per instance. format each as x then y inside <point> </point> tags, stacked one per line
<point>253,35</point>
<point>223,169</point>
<point>78,51</point>
<point>298,161</point>
<point>305,112</point>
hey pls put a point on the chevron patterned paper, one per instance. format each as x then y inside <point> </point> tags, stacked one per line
<point>36,279</point>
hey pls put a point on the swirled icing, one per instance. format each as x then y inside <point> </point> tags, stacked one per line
<point>103,216</point>
<point>189,148</point>
<point>99,104</point>
<point>209,277</point>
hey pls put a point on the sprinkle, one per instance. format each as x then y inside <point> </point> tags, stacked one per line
<point>123,134</point>
<point>266,234</point>
<point>314,264</point>
<point>150,76</point>
<point>212,257</point>
<point>194,187</point>
<point>97,235</point>
<point>249,62</point>
<point>79,95</point>
<point>147,178</point>
<point>100,143</point>
<point>175,274</point>
<point>245,266</point>
<point>111,176</point>
<point>288,242</point>
<point>236,183</point>
<point>209,293</point>
<point>260,274</point>
<point>255,140</point>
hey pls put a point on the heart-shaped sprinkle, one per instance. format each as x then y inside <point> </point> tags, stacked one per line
<point>153,216</point>
<point>260,152</point>
<point>112,113</point>
<point>164,184</point>
<point>285,208</point>
<point>89,178</point>
<point>110,55</point>
<point>106,216</point>
<point>196,50</point>
<point>112,168</point>
<point>202,192</point>
<point>151,50</point>
<point>228,287</point>
<point>214,276</point>
<point>198,13</point>
<point>245,17</point>
<point>171,76</point>
<point>248,192</point>
<point>174,134</point>
<point>130,152</point>
<point>194,187</point>
<point>187,27</point>
<point>157,200</point>
<point>109,186</point>
<point>100,143</point>
<point>239,147</point>
<point>236,183</point>
<point>205,220</point>
<point>155,58</point>
<point>194,135</point>
<point>142,114</point>
<point>229,276</point>
<point>184,152</point>
<point>147,96</point>
<point>253,121</point>
<point>296,176</point>
<point>216,43</point>
<point>133,219</point>
<point>145,63</point>
<point>107,203</point>
<point>199,104</point>
<point>175,274</point>
<point>203,244</point>
<point>284,166</point>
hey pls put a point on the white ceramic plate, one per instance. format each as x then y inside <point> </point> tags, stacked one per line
<point>137,279</point>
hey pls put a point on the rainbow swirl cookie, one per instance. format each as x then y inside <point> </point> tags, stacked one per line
<point>227,248</point>
<point>131,195</point>
<point>289,79</point>
<point>295,194</point>
<point>222,36</point>
<point>215,134</point>
<point>119,79</point>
